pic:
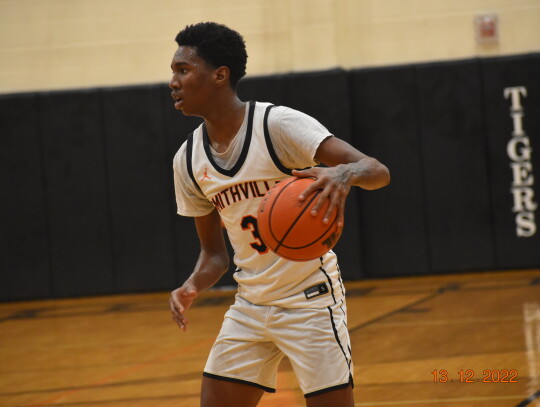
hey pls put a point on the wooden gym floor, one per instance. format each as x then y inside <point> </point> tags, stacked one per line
<point>406,333</point>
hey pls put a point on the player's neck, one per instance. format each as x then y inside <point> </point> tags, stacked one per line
<point>224,121</point>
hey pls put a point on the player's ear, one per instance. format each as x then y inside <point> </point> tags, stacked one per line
<point>222,75</point>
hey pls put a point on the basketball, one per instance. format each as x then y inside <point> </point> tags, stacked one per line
<point>287,226</point>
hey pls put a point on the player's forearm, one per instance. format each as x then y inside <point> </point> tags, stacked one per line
<point>208,270</point>
<point>368,173</point>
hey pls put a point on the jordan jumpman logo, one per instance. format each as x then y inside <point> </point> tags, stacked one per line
<point>205,176</point>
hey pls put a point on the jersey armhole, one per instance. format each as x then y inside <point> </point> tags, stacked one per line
<point>269,145</point>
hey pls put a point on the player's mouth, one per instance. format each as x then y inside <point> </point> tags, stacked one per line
<point>177,101</point>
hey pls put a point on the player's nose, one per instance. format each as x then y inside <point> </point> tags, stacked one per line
<point>174,83</point>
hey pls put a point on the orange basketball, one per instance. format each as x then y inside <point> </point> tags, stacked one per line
<point>287,226</point>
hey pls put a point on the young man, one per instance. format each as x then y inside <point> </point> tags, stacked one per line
<point>221,172</point>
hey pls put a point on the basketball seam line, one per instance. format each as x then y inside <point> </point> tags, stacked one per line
<point>272,210</point>
<point>271,231</point>
<point>297,218</point>
<point>330,226</point>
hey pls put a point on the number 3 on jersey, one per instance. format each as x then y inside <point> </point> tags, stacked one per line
<point>250,223</point>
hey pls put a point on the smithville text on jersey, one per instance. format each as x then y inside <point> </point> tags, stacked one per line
<point>238,192</point>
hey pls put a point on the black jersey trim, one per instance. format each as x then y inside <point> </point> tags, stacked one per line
<point>231,379</point>
<point>270,146</point>
<point>245,148</point>
<point>189,158</point>
<point>339,386</point>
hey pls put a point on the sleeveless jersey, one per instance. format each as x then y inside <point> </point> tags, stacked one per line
<point>263,277</point>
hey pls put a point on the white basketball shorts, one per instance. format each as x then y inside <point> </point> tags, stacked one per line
<point>254,338</point>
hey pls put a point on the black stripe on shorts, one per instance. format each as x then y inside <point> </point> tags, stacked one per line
<point>337,338</point>
<point>339,386</point>
<point>231,379</point>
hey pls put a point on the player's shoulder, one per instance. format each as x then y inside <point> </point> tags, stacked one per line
<point>180,156</point>
<point>284,116</point>
<point>276,112</point>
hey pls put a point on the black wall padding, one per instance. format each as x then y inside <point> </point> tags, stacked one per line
<point>449,99</point>
<point>498,74</point>
<point>348,248</point>
<point>24,257</point>
<point>326,97</point>
<point>139,181</point>
<point>76,196</point>
<point>262,89</point>
<point>392,222</point>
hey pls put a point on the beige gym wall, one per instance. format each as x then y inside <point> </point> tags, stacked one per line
<point>61,44</point>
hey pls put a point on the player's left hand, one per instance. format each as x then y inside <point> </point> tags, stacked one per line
<point>335,186</point>
<point>180,301</point>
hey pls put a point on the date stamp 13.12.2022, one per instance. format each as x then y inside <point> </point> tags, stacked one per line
<point>469,376</point>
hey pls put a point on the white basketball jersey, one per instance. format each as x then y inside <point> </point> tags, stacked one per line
<point>263,277</point>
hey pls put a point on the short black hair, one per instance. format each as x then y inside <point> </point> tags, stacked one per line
<point>218,45</point>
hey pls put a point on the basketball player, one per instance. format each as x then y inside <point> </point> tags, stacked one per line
<point>221,172</point>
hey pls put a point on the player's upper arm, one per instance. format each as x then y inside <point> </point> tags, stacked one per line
<point>210,234</point>
<point>333,151</point>
<point>366,172</point>
<point>295,136</point>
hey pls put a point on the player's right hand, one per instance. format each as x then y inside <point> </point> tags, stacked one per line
<point>180,301</point>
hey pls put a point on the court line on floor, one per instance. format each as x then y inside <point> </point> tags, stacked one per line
<point>452,321</point>
<point>124,372</point>
<point>438,291</point>
<point>162,379</point>
<point>109,402</point>
<point>431,296</point>
<point>531,327</point>
<point>529,399</point>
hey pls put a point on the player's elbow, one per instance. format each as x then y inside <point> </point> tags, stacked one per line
<point>220,261</point>
<point>380,177</point>
<point>214,260</point>
<point>384,176</point>
<point>224,262</point>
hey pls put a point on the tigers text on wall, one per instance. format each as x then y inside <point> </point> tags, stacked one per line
<point>519,151</point>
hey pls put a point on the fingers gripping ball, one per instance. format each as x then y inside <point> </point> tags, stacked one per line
<point>287,226</point>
